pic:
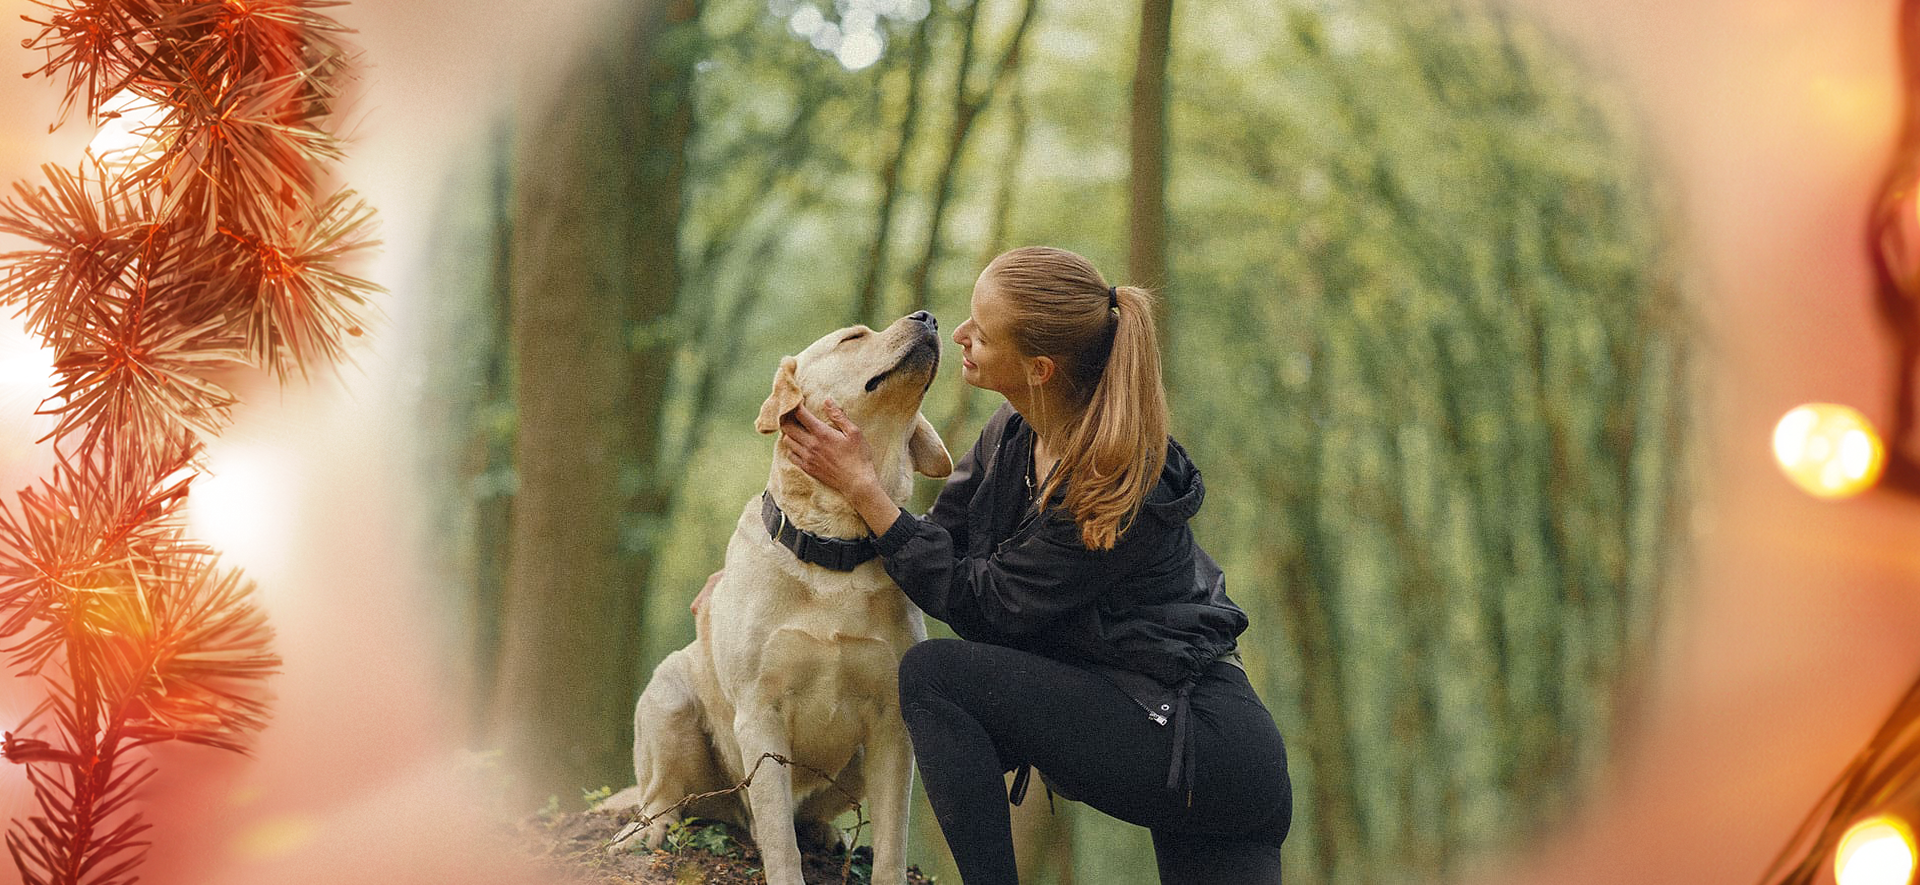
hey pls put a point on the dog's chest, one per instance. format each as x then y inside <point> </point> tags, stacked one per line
<point>833,654</point>
<point>830,687</point>
<point>843,638</point>
<point>799,635</point>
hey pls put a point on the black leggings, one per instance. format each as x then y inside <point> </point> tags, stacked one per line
<point>976,711</point>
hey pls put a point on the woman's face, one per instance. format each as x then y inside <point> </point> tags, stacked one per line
<point>989,359</point>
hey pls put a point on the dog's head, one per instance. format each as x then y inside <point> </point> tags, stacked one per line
<point>877,378</point>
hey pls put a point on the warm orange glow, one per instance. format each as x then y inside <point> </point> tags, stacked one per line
<point>128,128</point>
<point>240,505</point>
<point>1876,851</point>
<point>1828,450</point>
<point>276,837</point>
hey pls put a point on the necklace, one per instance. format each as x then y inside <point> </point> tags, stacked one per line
<point>1033,466</point>
<point>1032,457</point>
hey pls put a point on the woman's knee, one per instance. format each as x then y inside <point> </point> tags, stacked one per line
<point>1209,860</point>
<point>923,666</point>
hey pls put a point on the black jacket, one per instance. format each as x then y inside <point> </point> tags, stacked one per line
<point>1150,613</point>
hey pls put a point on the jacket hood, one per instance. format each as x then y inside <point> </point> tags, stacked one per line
<point>1178,495</point>
<point>1174,500</point>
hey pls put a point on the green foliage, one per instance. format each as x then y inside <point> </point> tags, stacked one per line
<point>700,834</point>
<point>1428,343</point>
<point>1452,445</point>
<point>860,868</point>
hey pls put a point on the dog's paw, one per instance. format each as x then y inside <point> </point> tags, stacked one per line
<point>817,835</point>
<point>634,837</point>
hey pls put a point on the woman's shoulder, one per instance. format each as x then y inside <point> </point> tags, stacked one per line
<point>1003,420</point>
<point>1001,425</point>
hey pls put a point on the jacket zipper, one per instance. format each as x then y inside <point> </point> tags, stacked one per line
<point>1028,519</point>
<point>1158,718</point>
<point>1019,532</point>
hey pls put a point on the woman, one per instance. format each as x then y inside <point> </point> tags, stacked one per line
<point>1097,639</point>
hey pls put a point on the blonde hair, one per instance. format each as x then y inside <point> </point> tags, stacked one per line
<point>1107,354</point>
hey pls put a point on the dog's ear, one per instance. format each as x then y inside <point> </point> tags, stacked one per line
<point>784,398</point>
<point>928,453</point>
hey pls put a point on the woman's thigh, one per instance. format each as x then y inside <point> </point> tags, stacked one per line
<point>1085,734</point>
<point>1241,786</point>
<point>1095,744</point>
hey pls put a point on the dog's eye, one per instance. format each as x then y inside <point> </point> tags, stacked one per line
<point>852,336</point>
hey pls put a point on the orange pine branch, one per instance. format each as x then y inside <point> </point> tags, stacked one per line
<point>210,247</point>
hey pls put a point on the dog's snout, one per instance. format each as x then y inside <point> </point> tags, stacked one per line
<point>921,316</point>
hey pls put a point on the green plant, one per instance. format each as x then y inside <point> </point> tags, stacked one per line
<point>700,834</point>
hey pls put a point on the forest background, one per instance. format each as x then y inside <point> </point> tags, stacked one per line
<point>1424,331</point>
<point>1737,147</point>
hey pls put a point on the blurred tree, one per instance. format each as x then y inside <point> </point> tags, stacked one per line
<point>963,416</point>
<point>1451,442</point>
<point>595,271</point>
<point>867,304</point>
<point>1147,189</point>
<point>1431,353</point>
<point>968,102</point>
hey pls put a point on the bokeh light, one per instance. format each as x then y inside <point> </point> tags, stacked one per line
<point>276,837</point>
<point>241,506</point>
<point>859,49</point>
<point>1876,851</point>
<point>26,368</point>
<point>856,34</point>
<point>26,380</point>
<point>127,131</point>
<point>1828,450</point>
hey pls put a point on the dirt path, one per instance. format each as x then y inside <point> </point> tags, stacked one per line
<point>575,844</point>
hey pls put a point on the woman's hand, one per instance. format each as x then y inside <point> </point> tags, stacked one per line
<point>831,451</point>
<point>835,454</point>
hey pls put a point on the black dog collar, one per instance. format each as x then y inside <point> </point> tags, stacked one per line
<point>839,554</point>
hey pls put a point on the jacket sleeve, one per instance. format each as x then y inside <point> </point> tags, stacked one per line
<point>1022,587</point>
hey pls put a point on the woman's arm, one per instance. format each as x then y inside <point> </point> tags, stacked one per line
<point>827,451</point>
<point>1015,590</point>
<point>1018,589</point>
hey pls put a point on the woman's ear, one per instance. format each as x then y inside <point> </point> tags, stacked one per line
<point>1040,371</point>
<point>784,398</point>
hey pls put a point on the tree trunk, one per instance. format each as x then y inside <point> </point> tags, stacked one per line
<point>493,517</point>
<point>1147,220</point>
<point>595,273</point>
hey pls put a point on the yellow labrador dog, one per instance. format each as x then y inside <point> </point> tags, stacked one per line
<point>797,649</point>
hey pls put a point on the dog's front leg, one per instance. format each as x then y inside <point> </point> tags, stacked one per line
<point>889,773</point>
<point>770,796</point>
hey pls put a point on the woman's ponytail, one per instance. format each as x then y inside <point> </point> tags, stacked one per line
<point>1115,452</point>
<point>1104,341</point>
